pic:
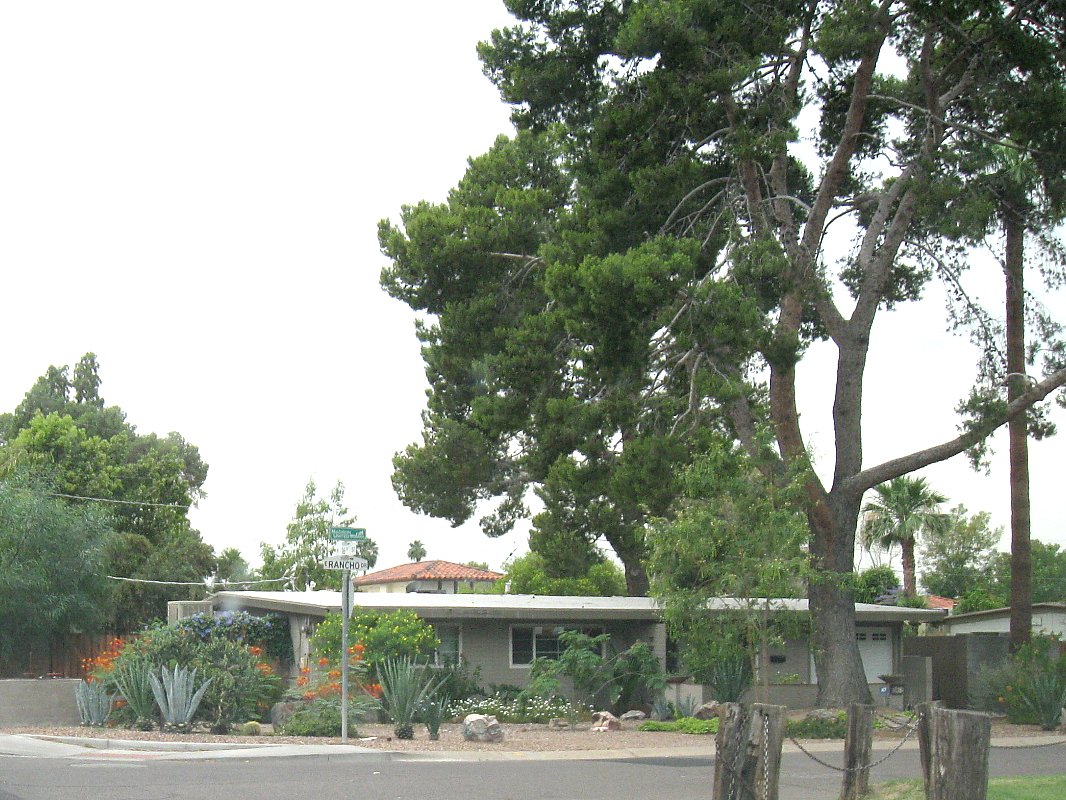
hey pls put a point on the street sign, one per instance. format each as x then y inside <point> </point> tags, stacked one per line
<point>347,534</point>
<point>338,561</point>
<point>344,547</point>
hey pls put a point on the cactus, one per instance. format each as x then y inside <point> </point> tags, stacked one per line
<point>175,696</point>
<point>94,703</point>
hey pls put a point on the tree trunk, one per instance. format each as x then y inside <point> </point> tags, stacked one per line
<point>841,675</point>
<point>1021,566</point>
<point>910,586</point>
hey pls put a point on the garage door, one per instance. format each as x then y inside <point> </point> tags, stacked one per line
<point>875,647</point>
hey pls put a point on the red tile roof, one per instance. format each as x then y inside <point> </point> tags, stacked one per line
<point>428,571</point>
<point>936,601</point>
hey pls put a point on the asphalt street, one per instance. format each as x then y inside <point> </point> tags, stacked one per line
<point>36,771</point>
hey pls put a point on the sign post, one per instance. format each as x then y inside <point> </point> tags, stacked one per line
<point>344,558</point>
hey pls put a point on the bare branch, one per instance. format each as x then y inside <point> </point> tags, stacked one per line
<point>875,476</point>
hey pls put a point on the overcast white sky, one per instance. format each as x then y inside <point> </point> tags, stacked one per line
<point>191,191</point>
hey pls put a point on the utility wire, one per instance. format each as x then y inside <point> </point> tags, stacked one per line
<point>210,585</point>
<point>121,502</point>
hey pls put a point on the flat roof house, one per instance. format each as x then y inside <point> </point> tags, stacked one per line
<point>502,634</point>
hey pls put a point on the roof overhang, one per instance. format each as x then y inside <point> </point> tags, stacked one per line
<point>531,607</point>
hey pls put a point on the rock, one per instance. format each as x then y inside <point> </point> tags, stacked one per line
<point>824,714</point>
<point>481,728</point>
<point>558,724</point>
<point>707,711</point>
<point>281,712</point>
<point>633,716</point>
<point>605,721</point>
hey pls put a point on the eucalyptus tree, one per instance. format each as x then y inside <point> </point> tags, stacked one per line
<point>308,541</point>
<point>643,267</point>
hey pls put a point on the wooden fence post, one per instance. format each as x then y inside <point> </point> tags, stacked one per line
<point>749,740</point>
<point>857,748</point>
<point>954,748</point>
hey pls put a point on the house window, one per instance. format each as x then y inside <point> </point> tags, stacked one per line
<point>450,649</point>
<point>529,642</point>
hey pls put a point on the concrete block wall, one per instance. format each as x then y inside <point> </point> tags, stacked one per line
<point>27,702</point>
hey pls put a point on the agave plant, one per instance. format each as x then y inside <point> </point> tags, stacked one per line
<point>405,687</point>
<point>176,697</point>
<point>94,703</point>
<point>1044,693</point>
<point>134,681</point>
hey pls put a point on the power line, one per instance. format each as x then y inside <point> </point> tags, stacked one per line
<point>121,502</point>
<point>204,583</point>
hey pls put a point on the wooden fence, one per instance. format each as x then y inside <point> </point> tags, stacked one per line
<point>58,658</point>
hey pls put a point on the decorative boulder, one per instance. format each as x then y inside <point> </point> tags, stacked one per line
<point>707,711</point>
<point>605,721</point>
<point>634,716</point>
<point>281,712</point>
<point>482,728</point>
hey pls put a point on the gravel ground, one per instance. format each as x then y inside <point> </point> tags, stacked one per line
<point>517,737</point>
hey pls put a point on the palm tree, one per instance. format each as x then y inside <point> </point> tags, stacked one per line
<point>368,549</point>
<point>417,551</point>
<point>903,509</point>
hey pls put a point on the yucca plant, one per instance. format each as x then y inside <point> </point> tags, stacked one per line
<point>405,686</point>
<point>176,697</point>
<point>434,709</point>
<point>94,703</point>
<point>134,681</point>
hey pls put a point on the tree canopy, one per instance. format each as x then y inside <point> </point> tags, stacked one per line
<point>307,541</point>
<point>955,557</point>
<point>84,451</point>
<point>53,562</point>
<point>698,191</point>
<point>529,574</point>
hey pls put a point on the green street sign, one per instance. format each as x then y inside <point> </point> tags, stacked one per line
<point>347,534</point>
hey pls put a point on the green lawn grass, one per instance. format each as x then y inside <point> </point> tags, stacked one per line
<point>1041,787</point>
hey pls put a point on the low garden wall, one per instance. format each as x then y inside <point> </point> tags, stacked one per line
<point>38,702</point>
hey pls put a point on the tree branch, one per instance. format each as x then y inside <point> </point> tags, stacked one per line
<point>875,476</point>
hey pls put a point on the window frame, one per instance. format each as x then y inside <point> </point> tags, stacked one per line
<point>437,662</point>
<point>589,630</point>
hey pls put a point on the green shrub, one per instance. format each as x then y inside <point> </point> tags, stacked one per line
<point>384,635</point>
<point>251,728</point>
<point>818,727</point>
<point>682,725</point>
<point>242,686</point>
<point>269,632</point>
<point>1030,688</point>
<point>638,676</point>
<point>323,718</point>
<point>458,682</point>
